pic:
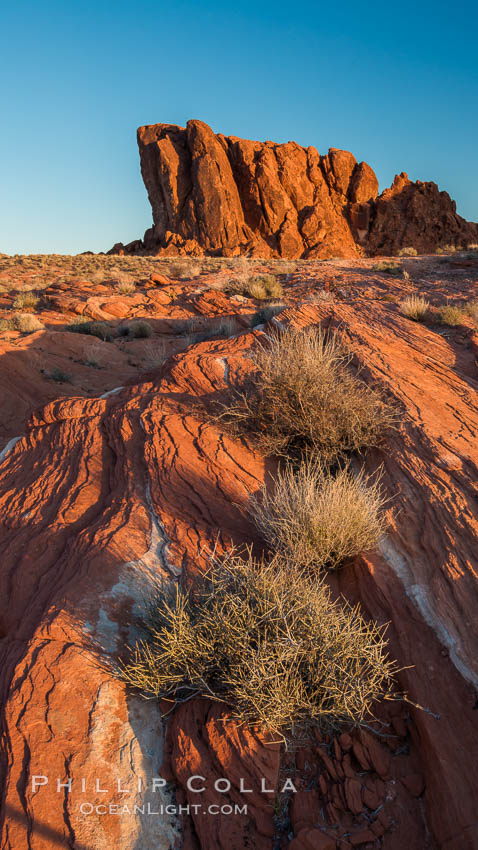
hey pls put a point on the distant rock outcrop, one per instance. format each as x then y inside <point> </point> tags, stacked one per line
<point>221,195</point>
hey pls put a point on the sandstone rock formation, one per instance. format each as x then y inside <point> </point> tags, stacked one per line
<point>221,195</point>
<point>98,495</point>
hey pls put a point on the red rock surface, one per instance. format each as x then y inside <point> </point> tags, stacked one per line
<point>100,494</point>
<point>221,195</point>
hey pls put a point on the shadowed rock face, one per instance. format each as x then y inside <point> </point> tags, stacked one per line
<point>215,194</point>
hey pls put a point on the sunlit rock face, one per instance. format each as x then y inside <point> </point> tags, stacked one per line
<point>216,194</point>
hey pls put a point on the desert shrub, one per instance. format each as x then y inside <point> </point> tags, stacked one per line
<point>414,307</point>
<point>446,249</point>
<point>226,327</point>
<point>99,329</point>
<point>140,329</point>
<point>125,287</point>
<point>450,314</point>
<point>265,314</point>
<point>184,269</point>
<point>265,283</point>
<point>154,354</point>
<point>25,300</point>
<point>7,325</point>
<point>303,397</point>
<point>319,520</point>
<point>98,276</point>
<point>470,309</point>
<point>259,287</point>
<point>27,323</point>
<point>59,376</point>
<point>408,252</point>
<point>388,268</point>
<point>266,640</point>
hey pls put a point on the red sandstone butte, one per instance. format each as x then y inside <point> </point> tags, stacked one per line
<point>222,195</point>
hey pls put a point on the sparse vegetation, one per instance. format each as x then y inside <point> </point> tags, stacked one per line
<point>388,268</point>
<point>451,314</point>
<point>318,520</point>
<point>446,249</point>
<point>184,268</point>
<point>59,376</point>
<point>260,287</point>
<point>154,354</point>
<point>125,287</point>
<point>24,323</point>
<point>99,329</point>
<point>408,252</point>
<point>470,309</point>
<point>140,329</point>
<point>304,397</point>
<point>6,325</point>
<point>415,307</point>
<point>25,300</point>
<point>226,327</point>
<point>266,640</point>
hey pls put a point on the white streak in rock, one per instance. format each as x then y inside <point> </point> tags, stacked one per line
<point>112,392</point>
<point>8,447</point>
<point>223,362</point>
<point>420,596</point>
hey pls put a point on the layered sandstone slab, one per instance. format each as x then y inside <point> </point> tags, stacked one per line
<point>221,195</point>
<point>100,495</point>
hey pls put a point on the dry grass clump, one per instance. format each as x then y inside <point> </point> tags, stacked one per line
<point>99,329</point>
<point>304,397</point>
<point>125,287</point>
<point>260,287</point>
<point>471,310</point>
<point>414,307</point>
<point>27,323</point>
<point>59,376</point>
<point>225,327</point>
<point>388,268</point>
<point>451,314</point>
<point>408,252</point>
<point>6,325</point>
<point>184,269</point>
<point>25,300</point>
<point>266,640</point>
<point>318,520</point>
<point>140,329</point>
<point>446,249</point>
<point>154,354</point>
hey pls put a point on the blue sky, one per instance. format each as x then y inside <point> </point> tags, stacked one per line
<point>395,84</point>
